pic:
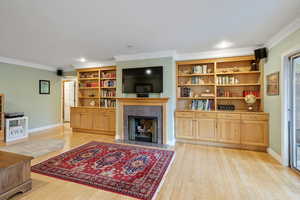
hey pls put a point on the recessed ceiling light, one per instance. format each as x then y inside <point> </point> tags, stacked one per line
<point>82,59</point>
<point>148,71</point>
<point>224,44</point>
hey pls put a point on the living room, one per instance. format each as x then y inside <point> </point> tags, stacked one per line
<point>110,100</point>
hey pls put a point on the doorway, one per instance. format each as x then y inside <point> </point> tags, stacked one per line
<point>68,98</point>
<point>294,122</point>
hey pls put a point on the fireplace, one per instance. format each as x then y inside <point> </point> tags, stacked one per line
<point>143,124</point>
<point>142,129</point>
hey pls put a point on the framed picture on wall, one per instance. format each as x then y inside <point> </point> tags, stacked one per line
<point>273,84</point>
<point>44,87</point>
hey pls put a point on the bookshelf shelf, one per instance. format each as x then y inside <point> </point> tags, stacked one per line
<point>233,73</point>
<point>190,75</point>
<point>232,77</point>
<point>207,84</point>
<point>239,85</point>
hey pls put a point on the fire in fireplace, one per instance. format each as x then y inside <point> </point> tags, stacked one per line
<point>143,129</point>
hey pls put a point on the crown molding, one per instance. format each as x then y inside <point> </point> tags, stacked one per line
<point>216,54</point>
<point>27,64</point>
<point>142,56</point>
<point>94,64</point>
<point>284,33</point>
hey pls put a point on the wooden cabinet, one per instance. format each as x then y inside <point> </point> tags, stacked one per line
<point>241,130</point>
<point>253,133</point>
<point>184,127</point>
<point>93,120</point>
<point>205,129</point>
<point>229,131</point>
<point>104,120</point>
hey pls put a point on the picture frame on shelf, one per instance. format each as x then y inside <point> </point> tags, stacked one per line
<point>44,87</point>
<point>273,84</point>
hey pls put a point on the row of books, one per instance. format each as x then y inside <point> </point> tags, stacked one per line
<point>108,83</point>
<point>205,105</point>
<point>108,93</point>
<point>108,75</point>
<point>197,80</point>
<point>107,103</point>
<point>185,92</point>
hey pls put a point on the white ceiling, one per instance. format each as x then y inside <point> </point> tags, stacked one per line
<point>58,32</point>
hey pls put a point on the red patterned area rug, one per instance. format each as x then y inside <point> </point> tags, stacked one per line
<point>128,170</point>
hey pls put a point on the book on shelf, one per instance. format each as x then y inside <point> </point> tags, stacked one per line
<point>107,103</point>
<point>205,105</point>
<point>108,83</point>
<point>185,92</point>
<point>108,74</point>
<point>108,93</point>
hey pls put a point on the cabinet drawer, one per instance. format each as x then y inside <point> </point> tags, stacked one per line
<point>228,116</point>
<point>184,114</point>
<point>254,117</point>
<point>205,115</point>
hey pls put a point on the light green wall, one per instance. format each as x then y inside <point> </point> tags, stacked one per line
<point>169,89</point>
<point>21,88</point>
<point>273,103</point>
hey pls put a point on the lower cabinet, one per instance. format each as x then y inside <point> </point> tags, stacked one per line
<point>253,133</point>
<point>95,120</point>
<point>205,129</point>
<point>184,127</point>
<point>229,131</point>
<point>238,129</point>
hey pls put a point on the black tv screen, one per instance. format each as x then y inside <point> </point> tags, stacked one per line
<point>143,80</point>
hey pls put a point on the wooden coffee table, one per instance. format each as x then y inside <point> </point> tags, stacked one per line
<point>14,174</point>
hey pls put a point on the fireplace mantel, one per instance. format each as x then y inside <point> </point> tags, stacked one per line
<point>143,102</point>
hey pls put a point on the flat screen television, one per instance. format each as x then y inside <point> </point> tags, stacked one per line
<point>143,80</point>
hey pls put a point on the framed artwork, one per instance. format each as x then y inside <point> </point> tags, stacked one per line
<point>44,87</point>
<point>273,84</point>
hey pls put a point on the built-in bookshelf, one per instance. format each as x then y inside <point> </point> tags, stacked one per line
<point>215,84</point>
<point>1,117</point>
<point>97,87</point>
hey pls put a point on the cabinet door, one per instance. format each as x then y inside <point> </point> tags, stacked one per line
<point>104,121</point>
<point>75,119</point>
<point>86,120</point>
<point>98,121</point>
<point>228,131</point>
<point>184,127</point>
<point>254,133</point>
<point>205,129</point>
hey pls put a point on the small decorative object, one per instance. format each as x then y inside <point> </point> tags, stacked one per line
<point>273,84</point>
<point>253,66</point>
<point>209,70</point>
<point>44,87</point>
<point>250,99</point>
<point>92,103</point>
<point>235,69</point>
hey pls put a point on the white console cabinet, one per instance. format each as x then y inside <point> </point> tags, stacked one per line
<point>16,128</point>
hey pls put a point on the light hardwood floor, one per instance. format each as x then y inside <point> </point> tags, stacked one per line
<point>198,173</point>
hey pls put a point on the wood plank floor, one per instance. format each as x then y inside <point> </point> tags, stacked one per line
<point>198,173</point>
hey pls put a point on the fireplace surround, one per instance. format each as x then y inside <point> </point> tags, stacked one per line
<point>147,108</point>
<point>143,123</point>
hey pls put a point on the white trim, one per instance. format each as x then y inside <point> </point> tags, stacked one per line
<point>275,155</point>
<point>142,56</point>
<point>285,32</point>
<point>33,130</point>
<point>27,64</point>
<point>217,54</point>
<point>284,90</point>
<point>94,64</point>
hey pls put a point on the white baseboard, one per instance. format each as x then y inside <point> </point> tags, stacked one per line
<point>275,155</point>
<point>33,130</point>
